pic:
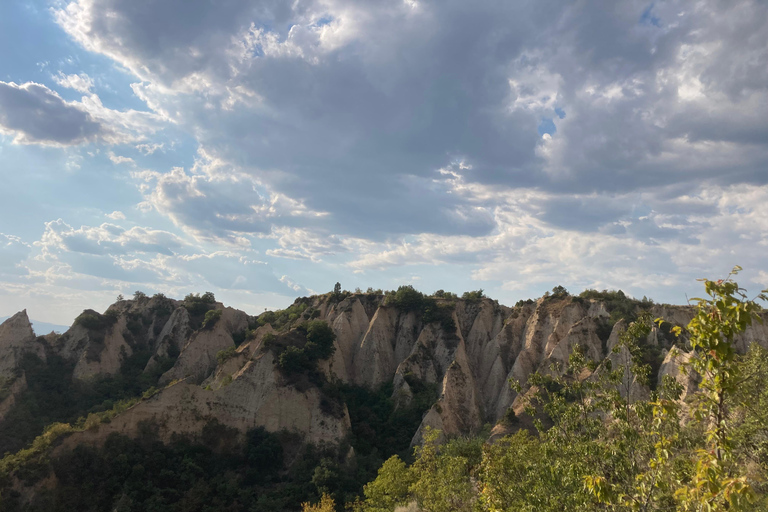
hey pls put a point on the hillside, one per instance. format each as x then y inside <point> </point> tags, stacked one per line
<point>361,375</point>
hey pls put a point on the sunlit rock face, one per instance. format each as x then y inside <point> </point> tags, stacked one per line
<point>17,338</point>
<point>225,369</point>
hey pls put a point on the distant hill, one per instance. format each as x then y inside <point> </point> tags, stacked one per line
<point>42,327</point>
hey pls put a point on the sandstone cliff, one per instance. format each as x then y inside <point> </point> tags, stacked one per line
<point>222,368</point>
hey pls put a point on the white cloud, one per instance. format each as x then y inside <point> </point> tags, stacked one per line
<point>117,159</point>
<point>116,215</point>
<point>298,243</point>
<point>80,82</point>
<point>216,201</point>
<point>150,148</point>
<point>106,239</point>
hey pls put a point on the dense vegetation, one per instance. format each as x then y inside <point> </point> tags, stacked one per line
<point>53,395</point>
<point>217,472</point>
<point>595,447</point>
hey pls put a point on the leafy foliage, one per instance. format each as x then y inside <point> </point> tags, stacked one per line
<point>221,471</point>
<point>406,298</point>
<point>281,319</point>
<point>473,296</point>
<point>225,354</point>
<point>197,304</point>
<point>211,317</point>
<point>598,445</point>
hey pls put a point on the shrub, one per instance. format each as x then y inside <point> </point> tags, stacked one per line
<point>406,298</point>
<point>293,360</point>
<point>225,354</point>
<point>211,317</point>
<point>197,304</point>
<point>91,320</point>
<point>474,296</point>
<point>441,314</point>
<point>442,294</point>
<point>322,336</point>
<point>111,316</point>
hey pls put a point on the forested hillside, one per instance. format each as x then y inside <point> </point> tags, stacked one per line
<point>382,400</point>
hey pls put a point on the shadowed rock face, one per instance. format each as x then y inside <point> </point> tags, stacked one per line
<point>471,362</point>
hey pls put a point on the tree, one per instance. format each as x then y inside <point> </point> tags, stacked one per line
<point>327,504</point>
<point>337,289</point>
<point>559,292</point>
<point>718,483</point>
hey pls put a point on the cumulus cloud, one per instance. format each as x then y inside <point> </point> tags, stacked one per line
<point>109,257</point>
<point>372,95</point>
<point>106,239</point>
<point>389,133</point>
<point>303,244</point>
<point>116,215</point>
<point>35,114</point>
<point>214,201</point>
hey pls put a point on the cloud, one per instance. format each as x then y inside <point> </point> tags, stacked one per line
<point>380,134</point>
<point>300,244</point>
<point>80,82</point>
<point>13,251</point>
<point>116,215</point>
<point>350,108</point>
<point>150,148</point>
<point>35,114</point>
<point>214,201</point>
<point>110,257</point>
<point>117,159</point>
<point>106,239</point>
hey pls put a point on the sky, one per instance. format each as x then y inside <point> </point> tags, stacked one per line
<point>264,150</point>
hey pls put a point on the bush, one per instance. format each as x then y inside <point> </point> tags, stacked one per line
<point>474,296</point>
<point>211,317</point>
<point>441,314</point>
<point>281,319</point>
<point>322,336</point>
<point>559,292</point>
<point>197,304</point>
<point>225,354</point>
<point>91,320</point>
<point>406,298</point>
<point>294,360</point>
<point>442,294</point>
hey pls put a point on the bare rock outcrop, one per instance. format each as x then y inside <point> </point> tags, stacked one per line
<point>198,356</point>
<point>16,339</point>
<point>469,357</point>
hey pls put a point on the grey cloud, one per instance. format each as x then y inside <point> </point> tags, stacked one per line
<point>37,115</point>
<point>356,122</point>
<point>583,213</point>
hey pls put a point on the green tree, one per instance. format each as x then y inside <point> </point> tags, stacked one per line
<point>718,482</point>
